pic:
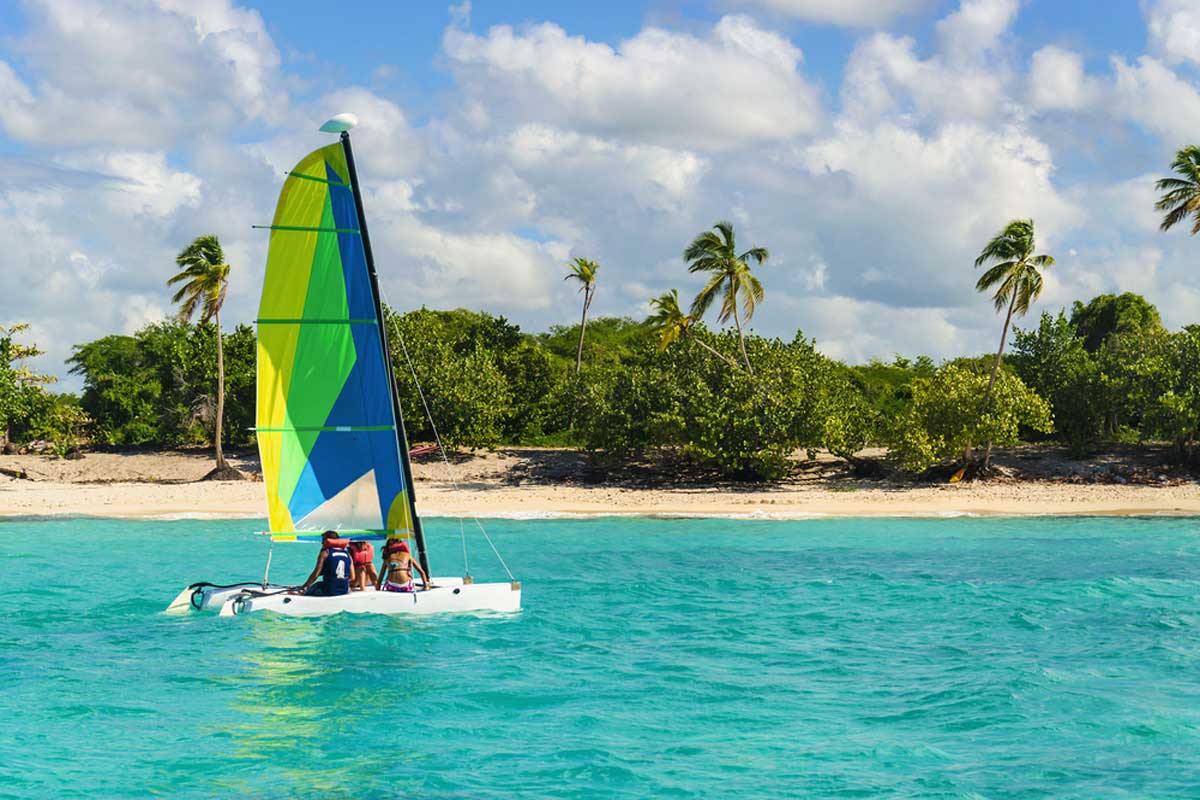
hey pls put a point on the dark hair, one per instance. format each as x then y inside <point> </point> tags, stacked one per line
<point>329,535</point>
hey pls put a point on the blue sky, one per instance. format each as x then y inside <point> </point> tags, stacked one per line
<point>872,145</point>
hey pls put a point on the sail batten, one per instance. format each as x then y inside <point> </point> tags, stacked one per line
<point>306,229</point>
<point>326,426</point>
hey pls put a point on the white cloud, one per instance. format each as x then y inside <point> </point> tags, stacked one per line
<point>885,76</point>
<point>1057,81</point>
<point>968,76</point>
<point>856,330</point>
<point>470,269</point>
<point>551,145</point>
<point>1150,94</point>
<point>1124,207</point>
<point>976,27</point>
<point>936,199</point>
<point>138,74</point>
<point>137,184</point>
<point>851,13</point>
<point>1174,27</point>
<point>65,267</point>
<point>737,85</point>
<point>656,176</point>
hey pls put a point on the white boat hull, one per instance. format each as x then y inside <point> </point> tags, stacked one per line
<point>448,595</point>
<point>207,597</point>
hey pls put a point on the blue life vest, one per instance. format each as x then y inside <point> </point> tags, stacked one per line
<point>335,574</point>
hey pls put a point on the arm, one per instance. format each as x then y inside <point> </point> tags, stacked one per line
<point>382,576</point>
<point>316,571</point>
<point>417,566</point>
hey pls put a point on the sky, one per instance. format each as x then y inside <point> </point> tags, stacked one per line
<point>873,146</point>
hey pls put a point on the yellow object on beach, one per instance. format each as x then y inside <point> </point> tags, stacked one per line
<point>958,476</point>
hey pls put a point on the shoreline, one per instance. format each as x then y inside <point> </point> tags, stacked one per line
<point>534,483</point>
<point>244,500</point>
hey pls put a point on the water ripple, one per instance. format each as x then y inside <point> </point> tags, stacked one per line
<point>958,658</point>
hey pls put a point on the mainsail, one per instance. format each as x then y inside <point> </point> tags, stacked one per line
<point>332,448</point>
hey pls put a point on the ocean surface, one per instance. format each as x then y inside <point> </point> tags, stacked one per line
<point>655,658</point>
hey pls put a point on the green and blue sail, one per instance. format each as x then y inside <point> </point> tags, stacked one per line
<point>327,430</point>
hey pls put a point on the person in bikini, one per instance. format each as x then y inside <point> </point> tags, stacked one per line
<point>398,566</point>
<point>363,554</point>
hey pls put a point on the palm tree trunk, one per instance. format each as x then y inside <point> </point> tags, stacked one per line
<point>718,354</point>
<point>587,301</point>
<point>741,339</point>
<point>220,393</point>
<point>987,395</point>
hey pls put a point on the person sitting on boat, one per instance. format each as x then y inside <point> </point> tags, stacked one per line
<point>363,554</point>
<point>334,565</point>
<point>398,565</point>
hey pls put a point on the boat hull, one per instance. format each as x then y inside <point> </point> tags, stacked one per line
<point>449,595</point>
<point>205,596</point>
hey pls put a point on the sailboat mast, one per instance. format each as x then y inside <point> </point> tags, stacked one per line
<point>401,433</point>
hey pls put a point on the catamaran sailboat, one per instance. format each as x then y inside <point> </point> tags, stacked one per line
<point>330,432</point>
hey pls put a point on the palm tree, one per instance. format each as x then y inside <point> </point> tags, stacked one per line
<point>672,324</point>
<point>730,277</point>
<point>1181,196</point>
<point>583,271</point>
<point>1017,273</point>
<point>205,279</point>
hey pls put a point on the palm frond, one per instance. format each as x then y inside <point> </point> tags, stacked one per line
<point>1004,293</point>
<point>707,295</point>
<point>705,245</point>
<point>1029,291</point>
<point>1175,184</point>
<point>204,276</point>
<point>726,229</point>
<point>1181,195</point>
<point>994,275</point>
<point>758,254</point>
<point>1173,217</point>
<point>751,291</point>
<point>709,264</point>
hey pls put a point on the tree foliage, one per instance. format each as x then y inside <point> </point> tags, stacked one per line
<point>467,364</point>
<point>1174,412</point>
<point>729,278</point>
<point>488,383</point>
<point>943,418</point>
<point>744,426</point>
<point>1180,199</point>
<point>25,405</point>
<point>157,386</point>
<point>203,281</point>
<point>1016,275</point>
<point>1108,315</point>
<point>583,271</point>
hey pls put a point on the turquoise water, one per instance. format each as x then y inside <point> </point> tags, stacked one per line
<point>965,658</point>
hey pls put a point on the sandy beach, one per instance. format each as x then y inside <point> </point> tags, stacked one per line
<point>531,482</point>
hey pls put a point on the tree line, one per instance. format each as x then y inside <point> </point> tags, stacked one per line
<point>723,399</point>
<point>1106,371</point>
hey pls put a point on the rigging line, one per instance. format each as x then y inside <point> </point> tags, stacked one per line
<point>462,532</point>
<point>449,469</point>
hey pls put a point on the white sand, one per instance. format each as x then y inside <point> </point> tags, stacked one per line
<point>71,488</point>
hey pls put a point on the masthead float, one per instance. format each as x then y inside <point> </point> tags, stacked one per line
<point>330,431</point>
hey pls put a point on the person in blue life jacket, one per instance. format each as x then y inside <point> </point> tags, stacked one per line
<point>334,566</point>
